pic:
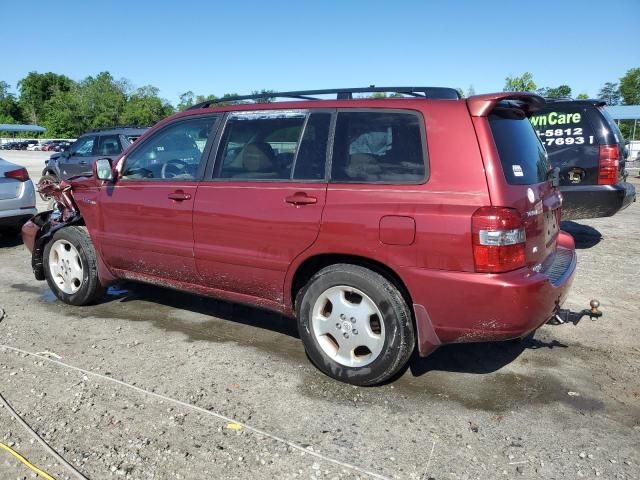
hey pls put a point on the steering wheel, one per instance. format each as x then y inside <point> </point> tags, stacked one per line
<point>173,168</point>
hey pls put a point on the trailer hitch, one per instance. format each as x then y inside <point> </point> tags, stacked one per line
<point>564,315</point>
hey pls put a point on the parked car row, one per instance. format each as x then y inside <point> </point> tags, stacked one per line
<point>34,145</point>
<point>20,145</point>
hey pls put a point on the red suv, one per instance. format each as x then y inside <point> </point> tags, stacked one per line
<point>382,224</point>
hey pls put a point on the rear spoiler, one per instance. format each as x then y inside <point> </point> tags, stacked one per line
<point>481,105</point>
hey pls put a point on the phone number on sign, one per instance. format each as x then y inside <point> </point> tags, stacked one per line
<point>565,136</point>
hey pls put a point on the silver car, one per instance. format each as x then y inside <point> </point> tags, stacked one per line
<point>17,197</point>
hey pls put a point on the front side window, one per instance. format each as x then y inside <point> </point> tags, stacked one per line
<point>378,147</point>
<point>174,152</point>
<point>84,147</point>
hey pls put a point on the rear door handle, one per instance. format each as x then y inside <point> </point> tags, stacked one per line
<point>301,198</point>
<point>179,196</point>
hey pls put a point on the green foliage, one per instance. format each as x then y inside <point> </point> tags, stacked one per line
<point>523,83</point>
<point>9,109</point>
<point>186,101</point>
<point>626,128</point>
<point>62,114</point>
<point>563,91</point>
<point>263,92</point>
<point>630,87</point>
<point>36,88</point>
<point>145,107</point>
<point>67,108</point>
<point>610,93</point>
<point>582,96</point>
<point>102,100</point>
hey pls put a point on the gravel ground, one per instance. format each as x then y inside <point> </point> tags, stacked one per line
<point>563,405</point>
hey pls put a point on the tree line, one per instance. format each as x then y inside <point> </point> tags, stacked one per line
<point>67,108</point>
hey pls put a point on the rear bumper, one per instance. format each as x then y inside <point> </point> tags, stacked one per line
<point>16,218</point>
<point>456,307</point>
<point>591,201</point>
<point>29,234</point>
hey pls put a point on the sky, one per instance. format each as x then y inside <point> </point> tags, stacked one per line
<point>238,46</point>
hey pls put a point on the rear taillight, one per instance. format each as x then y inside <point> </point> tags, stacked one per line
<point>608,165</point>
<point>19,174</point>
<point>498,239</point>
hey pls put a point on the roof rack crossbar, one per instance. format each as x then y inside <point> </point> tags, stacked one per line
<point>341,94</point>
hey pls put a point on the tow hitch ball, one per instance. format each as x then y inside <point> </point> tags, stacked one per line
<point>564,315</point>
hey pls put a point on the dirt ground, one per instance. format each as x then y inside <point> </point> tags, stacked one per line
<point>563,405</point>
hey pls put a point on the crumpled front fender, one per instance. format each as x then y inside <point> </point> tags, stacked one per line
<point>37,232</point>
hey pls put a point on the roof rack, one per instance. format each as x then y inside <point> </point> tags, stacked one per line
<point>440,93</point>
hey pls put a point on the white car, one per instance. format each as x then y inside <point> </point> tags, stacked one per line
<point>17,197</point>
<point>34,147</point>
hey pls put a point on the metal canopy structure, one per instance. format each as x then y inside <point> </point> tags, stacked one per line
<point>14,128</point>
<point>624,112</point>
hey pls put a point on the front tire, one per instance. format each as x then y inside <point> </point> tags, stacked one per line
<point>355,324</point>
<point>71,266</point>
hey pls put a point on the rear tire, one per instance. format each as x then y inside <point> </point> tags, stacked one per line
<point>71,266</point>
<point>355,325</point>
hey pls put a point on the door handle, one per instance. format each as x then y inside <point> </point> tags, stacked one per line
<point>301,198</point>
<point>179,196</point>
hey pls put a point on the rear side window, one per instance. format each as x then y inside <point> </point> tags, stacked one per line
<point>378,147</point>
<point>524,160</point>
<point>565,126</point>
<point>274,145</point>
<point>109,145</point>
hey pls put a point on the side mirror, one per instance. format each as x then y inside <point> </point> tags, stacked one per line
<point>65,153</point>
<point>103,170</point>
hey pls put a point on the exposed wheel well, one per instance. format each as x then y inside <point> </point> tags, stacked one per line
<point>314,264</point>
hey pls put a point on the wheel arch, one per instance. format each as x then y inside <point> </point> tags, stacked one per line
<point>44,234</point>
<point>311,265</point>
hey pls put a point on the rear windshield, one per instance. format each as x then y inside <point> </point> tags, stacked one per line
<point>564,127</point>
<point>612,125</point>
<point>524,160</point>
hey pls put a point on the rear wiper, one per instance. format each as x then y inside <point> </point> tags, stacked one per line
<point>554,176</point>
